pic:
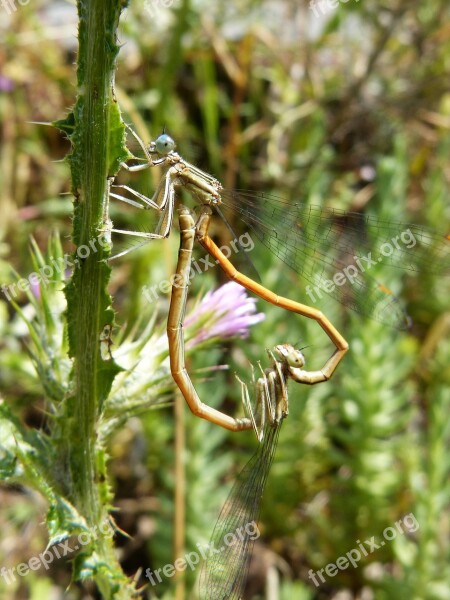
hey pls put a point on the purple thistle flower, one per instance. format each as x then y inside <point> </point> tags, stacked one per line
<point>6,84</point>
<point>226,312</point>
<point>35,288</point>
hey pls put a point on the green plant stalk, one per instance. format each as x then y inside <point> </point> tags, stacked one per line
<point>97,142</point>
<point>85,294</point>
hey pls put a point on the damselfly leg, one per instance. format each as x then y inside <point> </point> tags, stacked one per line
<point>179,173</point>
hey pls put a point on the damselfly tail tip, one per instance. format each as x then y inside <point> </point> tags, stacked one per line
<point>408,322</point>
<point>404,322</point>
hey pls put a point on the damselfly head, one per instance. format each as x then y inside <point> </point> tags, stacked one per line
<point>163,144</point>
<point>290,355</point>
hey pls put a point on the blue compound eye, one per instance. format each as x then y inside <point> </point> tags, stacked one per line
<point>164,144</point>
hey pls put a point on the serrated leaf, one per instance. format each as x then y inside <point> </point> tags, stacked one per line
<point>66,125</point>
<point>117,149</point>
<point>63,521</point>
<point>8,463</point>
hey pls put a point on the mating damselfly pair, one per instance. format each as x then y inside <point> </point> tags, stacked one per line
<point>224,572</point>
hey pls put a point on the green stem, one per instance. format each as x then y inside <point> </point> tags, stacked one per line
<point>89,171</point>
<point>97,142</point>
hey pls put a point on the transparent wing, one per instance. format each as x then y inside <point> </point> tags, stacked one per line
<point>224,572</point>
<point>321,245</point>
<point>251,267</point>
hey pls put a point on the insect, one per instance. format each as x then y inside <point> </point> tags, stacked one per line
<point>318,243</point>
<point>224,572</point>
<point>106,342</point>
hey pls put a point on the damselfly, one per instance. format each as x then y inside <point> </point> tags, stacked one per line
<point>318,243</point>
<point>224,572</point>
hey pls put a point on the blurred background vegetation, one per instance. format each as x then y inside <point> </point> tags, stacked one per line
<point>346,107</point>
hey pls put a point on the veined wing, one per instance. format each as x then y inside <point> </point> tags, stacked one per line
<point>224,572</point>
<point>334,250</point>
